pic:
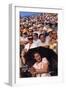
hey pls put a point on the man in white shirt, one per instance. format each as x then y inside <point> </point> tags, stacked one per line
<point>36,40</point>
<point>30,44</point>
<point>43,42</point>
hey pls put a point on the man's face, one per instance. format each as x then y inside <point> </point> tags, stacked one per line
<point>37,57</point>
<point>35,37</point>
<point>42,38</point>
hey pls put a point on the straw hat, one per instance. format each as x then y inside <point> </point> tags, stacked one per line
<point>24,30</point>
<point>49,30</point>
<point>45,28</point>
<point>31,28</point>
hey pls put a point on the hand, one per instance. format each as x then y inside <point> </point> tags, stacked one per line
<point>32,71</point>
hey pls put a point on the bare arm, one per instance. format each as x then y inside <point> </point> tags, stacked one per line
<point>22,56</point>
<point>44,70</point>
<point>45,64</point>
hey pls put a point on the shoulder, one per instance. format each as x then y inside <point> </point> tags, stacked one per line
<point>34,65</point>
<point>27,45</point>
<point>34,45</point>
<point>44,60</point>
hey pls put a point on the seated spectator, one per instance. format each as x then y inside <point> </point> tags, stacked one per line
<point>23,39</point>
<point>53,45</point>
<point>40,68</point>
<point>30,43</point>
<point>43,41</point>
<point>30,31</point>
<point>49,35</point>
<point>36,39</point>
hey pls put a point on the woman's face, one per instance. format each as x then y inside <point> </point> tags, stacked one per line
<point>37,57</point>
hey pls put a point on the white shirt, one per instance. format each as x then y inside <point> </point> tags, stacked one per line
<point>47,40</point>
<point>43,44</point>
<point>27,46</point>
<point>37,42</point>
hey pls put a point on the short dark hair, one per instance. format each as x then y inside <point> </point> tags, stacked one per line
<point>35,34</point>
<point>41,35</point>
<point>35,53</point>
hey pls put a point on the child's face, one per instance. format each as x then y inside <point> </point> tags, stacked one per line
<point>37,57</point>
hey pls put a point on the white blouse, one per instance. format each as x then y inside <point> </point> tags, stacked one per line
<point>40,66</point>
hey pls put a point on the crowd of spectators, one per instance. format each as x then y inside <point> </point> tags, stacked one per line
<point>39,29</point>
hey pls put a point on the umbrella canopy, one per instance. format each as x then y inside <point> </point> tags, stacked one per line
<point>44,52</point>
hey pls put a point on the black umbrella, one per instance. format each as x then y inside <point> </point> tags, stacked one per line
<point>44,52</point>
